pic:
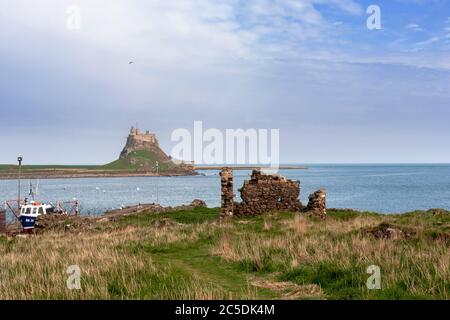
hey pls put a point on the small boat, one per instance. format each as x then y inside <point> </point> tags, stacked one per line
<point>27,212</point>
<point>30,212</point>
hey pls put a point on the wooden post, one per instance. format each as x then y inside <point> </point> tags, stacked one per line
<point>2,221</point>
<point>227,195</point>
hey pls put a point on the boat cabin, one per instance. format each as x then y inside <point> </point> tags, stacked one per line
<point>36,209</point>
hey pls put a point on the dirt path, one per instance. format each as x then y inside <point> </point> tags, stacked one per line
<point>201,264</point>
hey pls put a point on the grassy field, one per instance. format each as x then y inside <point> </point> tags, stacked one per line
<point>191,255</point>
<point>135,162</point>
<point>139,159</point>
<point>48,166</point>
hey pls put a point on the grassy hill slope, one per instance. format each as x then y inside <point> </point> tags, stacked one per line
<point>140,160</point>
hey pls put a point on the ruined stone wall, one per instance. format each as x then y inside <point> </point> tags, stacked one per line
<point>265,193</point>
<point>317,203</point>
<point>227,194</point>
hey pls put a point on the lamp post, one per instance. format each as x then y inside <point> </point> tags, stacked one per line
<point>19,159</point>
<point>157,186</point>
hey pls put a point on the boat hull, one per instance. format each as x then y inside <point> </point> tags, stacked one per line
<point>27,221</point>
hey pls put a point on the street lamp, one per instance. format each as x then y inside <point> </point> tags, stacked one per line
<point>19,159</point>
<point>157,185</point>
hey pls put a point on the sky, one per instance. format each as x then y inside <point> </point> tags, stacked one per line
<point>338,91</point>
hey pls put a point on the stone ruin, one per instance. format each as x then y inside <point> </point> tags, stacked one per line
<point>265,193</point>
<point>317,203</point>
<point>227,203</point>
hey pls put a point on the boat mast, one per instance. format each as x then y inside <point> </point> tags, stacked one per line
<point>31,193</point>
<point>19,159</point>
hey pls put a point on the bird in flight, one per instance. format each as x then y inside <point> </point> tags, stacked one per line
<point>131,62</point>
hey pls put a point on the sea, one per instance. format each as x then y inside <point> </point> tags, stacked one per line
<point>383,188</point>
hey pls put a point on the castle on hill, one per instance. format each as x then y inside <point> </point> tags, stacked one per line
<point>147,136</point>
<point>142,151</point>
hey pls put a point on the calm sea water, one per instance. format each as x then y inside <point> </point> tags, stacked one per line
<point>381,188</point>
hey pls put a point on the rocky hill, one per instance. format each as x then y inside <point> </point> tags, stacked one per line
<point>142,153</point>
<point>138,158</point>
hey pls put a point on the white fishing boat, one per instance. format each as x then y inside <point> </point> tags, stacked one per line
<point>29,211</point>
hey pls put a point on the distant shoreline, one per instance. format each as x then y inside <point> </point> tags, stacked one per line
<point>70,174</point>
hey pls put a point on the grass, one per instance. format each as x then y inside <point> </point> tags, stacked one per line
<point>190,254</point>
<point>49,167</point>
<point>135,161</point>
<point>141,160</point>
<point>138,161</point>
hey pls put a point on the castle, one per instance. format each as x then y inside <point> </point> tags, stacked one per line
<point>144,137</point>
<point>147,141</point>
<point>142,151</point>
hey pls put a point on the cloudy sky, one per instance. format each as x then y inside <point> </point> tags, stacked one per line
<point>337,91</point>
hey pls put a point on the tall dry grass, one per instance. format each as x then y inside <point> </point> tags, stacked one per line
<point>420,266</point>
<point>293,256</point>
<point>35,268</point>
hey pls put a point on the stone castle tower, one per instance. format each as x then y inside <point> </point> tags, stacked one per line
<point>147,136</point>
<point>138,141</point>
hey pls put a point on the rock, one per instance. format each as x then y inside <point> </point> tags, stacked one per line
<point>392,233</point>
<point>438,212</point>
<point>165,222</point>
<point>142,151</point>
<point>388,231</point>
<point>198,203</point>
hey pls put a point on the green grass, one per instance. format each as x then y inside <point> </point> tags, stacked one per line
<point>195,216</point>
<point>141,160</point>
<point>194,258</point>
<point>138,161</point>
<point>336,280</point>
<point>48,167</point>
<point>191,254</point>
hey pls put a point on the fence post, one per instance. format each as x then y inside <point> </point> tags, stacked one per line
<point>2,221</point>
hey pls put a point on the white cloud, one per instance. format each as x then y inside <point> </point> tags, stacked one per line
<point>414,27</point>
<point>427,42</point>
<point>188,31</point>
<point>348,6</point>
<point>267,60</point>
<point>224,35</point>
